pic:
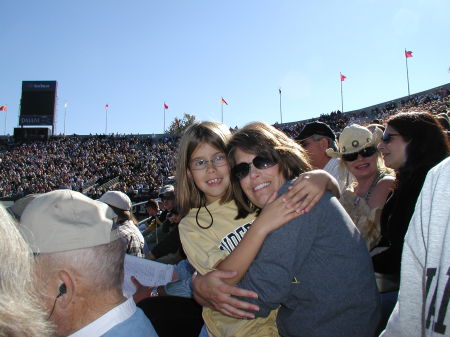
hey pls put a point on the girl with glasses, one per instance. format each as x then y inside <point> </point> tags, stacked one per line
<point>364,198</point>
<point>213,235</point>
<point>316,268</point>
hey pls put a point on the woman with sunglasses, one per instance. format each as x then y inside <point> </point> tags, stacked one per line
<point>316,268</point>
<point>364,199</point>
<point>412,144</point>
<point>212,235</point>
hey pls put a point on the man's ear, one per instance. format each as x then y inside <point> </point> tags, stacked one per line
<point>67,297</point>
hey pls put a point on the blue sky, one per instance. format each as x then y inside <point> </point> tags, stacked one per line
<point>135,55</point>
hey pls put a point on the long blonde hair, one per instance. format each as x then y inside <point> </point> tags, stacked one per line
<point>217,135</point>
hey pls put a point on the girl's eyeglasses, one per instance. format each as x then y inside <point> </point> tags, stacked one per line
<point>201,164</point>
<point>242,170</point>
<point>367,152</point>
<point>387,137</point>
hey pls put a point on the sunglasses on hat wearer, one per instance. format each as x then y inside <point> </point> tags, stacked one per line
<point>366,152</point>
<point>388,136</point>
<point>242,170</point>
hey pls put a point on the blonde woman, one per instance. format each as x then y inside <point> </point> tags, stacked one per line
<point>364,199</point>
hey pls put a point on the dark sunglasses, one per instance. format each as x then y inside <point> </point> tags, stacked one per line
<point>367,152</point>
<point>387,137</point>
<point>242,170</point>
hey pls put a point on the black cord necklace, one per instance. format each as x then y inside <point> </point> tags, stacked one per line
<point>196,217</point>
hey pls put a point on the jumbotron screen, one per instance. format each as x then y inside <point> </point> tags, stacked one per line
<point>37,105</point>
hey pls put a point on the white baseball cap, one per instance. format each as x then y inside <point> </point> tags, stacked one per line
<point>64,220</point>
<point>116,199</point>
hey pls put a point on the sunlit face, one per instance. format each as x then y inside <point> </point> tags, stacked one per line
<point>259,184</point>
<point>394,150</point>
<point>363,167</point>
<point>214,179</point>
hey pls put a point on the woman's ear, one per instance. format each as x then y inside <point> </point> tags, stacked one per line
<point>189,174</point>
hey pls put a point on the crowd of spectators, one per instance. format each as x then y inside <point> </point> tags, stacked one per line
<point>85,164</point>
<point>435,102</point>
<point>136,165</point>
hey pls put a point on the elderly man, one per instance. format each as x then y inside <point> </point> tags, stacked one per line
<point>80,261</point>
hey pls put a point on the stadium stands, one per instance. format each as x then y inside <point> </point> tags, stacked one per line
<point>138,165</point>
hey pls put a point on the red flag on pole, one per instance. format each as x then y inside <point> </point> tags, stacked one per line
<point>223,101</point>
<point>3,107</point>
<point>166,106</point>
<point>343,77</point>
<point>408,53</point>
<point>106,106</point>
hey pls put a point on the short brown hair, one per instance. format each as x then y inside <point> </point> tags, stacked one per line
<point>262,139</point>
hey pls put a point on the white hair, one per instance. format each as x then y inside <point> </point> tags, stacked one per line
<point>101,266</point>
<point>20,311</point>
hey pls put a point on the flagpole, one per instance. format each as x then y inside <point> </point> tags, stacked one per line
<point>164,108</point>
<point>342,96</point>
<point>106,120</point>
<point>407,73</point>
<point>6,114</point>
<point>221,105</point>
<point>65,113</point>
<point>281,111</point>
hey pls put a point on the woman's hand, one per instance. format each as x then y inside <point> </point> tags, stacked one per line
<point>210,290</point>
<point>308,189</point>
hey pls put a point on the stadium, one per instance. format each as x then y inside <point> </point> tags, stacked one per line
<point>225,169</point>
<point>140,164</point>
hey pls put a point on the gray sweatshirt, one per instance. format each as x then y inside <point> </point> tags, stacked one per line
<point>318,269</point>
<point>422,306</point>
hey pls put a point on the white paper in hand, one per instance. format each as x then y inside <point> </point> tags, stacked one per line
<point>147,272</point>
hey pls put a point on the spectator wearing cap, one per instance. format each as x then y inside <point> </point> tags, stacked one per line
<point>121,204</point>
<point>316,138</point>
<point>167,196</point>
<point>364,199</point>
<point>80,259</point>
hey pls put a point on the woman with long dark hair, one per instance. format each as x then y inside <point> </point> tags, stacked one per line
<point>412,144</point>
